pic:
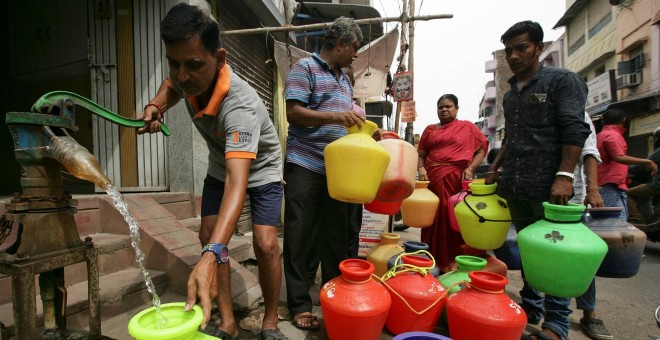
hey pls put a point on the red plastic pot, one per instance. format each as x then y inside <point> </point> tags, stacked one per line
<point>354,305</point>
<point>417,300</point>
<point>381,207</point>
<point>483,311</point>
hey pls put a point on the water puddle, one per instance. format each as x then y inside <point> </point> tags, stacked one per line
<point>120,204</point>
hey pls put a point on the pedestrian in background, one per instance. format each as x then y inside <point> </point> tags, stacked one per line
<point>244,156</point>
<point>613,171</point>
<point>544,136</point>
<point>319,107</point>
<point>586,192</point>
<point>644,194</point>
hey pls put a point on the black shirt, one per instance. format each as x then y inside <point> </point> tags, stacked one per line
<point>547,114</point>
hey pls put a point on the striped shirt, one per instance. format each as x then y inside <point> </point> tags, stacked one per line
<point>312,81</point>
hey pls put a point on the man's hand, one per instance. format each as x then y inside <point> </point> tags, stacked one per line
<point>151,116</point>
<point>652,167</point>
<point>349,118</point>
<point>593,199</point>
<point>492,177</point>
<point>203,283</point>
<point>561,191</point>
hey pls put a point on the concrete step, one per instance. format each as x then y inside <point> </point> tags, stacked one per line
<point>114,254</point>
<point>119,291</point>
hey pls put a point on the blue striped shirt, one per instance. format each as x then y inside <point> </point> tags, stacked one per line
<point>312,81</point>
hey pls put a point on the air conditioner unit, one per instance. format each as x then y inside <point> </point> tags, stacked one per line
<point>629,80</point>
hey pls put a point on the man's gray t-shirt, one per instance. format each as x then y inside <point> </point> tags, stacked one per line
<point>237,126</point>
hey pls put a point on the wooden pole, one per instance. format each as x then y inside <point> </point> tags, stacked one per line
<point>404,18</point>
<point>402,67</point>
<point>411,44</point>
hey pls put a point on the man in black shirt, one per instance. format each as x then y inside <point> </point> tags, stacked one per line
<point>544,135</point>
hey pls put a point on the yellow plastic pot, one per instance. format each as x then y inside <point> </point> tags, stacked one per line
<point>483,217</point>
<point>380,253</point>
<point>355,165</point>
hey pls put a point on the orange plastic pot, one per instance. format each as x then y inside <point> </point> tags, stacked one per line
<point>420,208</point>
<point>399,178</point>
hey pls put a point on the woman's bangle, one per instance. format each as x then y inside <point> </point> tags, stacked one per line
<point>469,167</point>
<point>160,111</point>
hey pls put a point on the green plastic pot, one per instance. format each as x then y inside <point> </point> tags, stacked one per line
<point>560,255</point>
<point>180,325</point>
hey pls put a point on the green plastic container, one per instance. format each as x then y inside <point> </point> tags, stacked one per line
<point>466,264</point>
<point>180,325</point>
<point>560,255</point>
<point>483,217</point>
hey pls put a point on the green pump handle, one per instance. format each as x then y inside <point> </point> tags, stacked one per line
<point>51,98</point>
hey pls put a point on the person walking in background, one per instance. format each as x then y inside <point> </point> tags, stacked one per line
<point>585,186</point>
<point>643,195</point>
<point>244,156</point>
<point>545,132</point>
<point>449,152</point>
<point>613,171</point>
<point>319,101</point>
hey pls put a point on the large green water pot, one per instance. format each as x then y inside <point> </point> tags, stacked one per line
<point>179,325</point>
<point>560,255</point>
<point>483,217</point>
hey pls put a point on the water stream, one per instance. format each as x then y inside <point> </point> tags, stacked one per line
<point>120,204</point>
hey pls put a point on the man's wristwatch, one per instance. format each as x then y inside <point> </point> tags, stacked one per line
<point>566,174</point>
<point>220,250</point>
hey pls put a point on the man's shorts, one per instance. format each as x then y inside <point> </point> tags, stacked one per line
<point>265,200</point>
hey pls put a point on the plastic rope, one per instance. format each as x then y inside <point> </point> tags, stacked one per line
<point>404,267</point>
<point>481,218</point>
<point>442,296</point>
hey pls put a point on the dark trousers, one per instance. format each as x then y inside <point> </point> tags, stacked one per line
<point>316,228</point>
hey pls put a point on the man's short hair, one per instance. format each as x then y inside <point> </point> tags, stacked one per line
<point>344,29</point>
<point>183,21</point>
<point>613,116</point>
<point>532,27</point>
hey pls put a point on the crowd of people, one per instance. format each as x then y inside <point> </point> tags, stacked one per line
<point>550,153</point>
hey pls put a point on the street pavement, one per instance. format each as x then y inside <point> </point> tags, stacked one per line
<point>625,305</point>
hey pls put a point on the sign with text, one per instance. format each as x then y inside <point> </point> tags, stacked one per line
<point>600,90</point>
<point>372,226</point>
<point>408,112</point>
<point>402,86</point>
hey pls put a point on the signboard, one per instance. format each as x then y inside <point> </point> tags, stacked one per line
<point>372,226</point>
<point>408,112</point>
<point>644,124</point>
<point>402,86</point>
<point>601,90</point>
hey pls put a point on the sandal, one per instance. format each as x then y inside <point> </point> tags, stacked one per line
<point>272,334</point>
<point>595,329</point>
<point>312,324</point>
<point>539,336</point>
<point>224,335</point>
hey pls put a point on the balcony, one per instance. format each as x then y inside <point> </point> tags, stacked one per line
<point>491,66</point>
<point>491,92</point>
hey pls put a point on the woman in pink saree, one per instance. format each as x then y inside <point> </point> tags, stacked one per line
<point>449,152</point>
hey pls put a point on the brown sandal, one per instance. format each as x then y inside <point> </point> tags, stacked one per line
<point>311,325</point>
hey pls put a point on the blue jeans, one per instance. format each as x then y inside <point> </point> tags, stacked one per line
<point>615,197</point>
<point>587,301</point>
<point>555,317</point>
